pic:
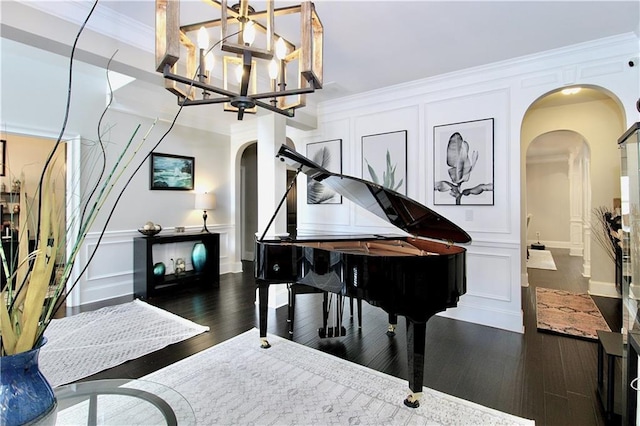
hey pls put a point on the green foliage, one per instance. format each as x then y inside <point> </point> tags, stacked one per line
<point>388,175</point>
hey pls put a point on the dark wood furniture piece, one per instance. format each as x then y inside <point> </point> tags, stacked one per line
<point>404,275</point>
<point>145,284</point>
<point>609,345</point>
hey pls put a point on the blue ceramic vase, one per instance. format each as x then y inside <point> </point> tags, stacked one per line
<point>25,394</point>
<point>158,271</point>
<point>199,256</point>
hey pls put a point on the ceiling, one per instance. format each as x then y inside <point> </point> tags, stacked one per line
<point>369,45</point>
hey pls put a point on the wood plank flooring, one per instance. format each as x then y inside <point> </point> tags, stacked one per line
<point>548,378</point>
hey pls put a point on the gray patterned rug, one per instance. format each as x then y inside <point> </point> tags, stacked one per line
<point>84,344</point>
<point>238,383</point>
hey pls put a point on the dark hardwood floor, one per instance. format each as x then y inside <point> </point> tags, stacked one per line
<point>548,378</point>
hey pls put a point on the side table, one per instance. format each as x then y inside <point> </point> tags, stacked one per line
<point>611,345</point>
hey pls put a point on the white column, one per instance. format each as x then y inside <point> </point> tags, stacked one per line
<point>272,185</point>
<point>586,190</point>
<point>272,174</point>
<point>575,203</point>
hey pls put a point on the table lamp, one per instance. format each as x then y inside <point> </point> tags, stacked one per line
<point>205,201</point>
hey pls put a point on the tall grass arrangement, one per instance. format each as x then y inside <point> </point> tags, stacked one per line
<point>34,289</point>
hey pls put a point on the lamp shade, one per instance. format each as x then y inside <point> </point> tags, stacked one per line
<point>205,201</point>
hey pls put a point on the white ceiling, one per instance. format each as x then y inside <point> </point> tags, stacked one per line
<point>374,44</point>
<point>370,45</point>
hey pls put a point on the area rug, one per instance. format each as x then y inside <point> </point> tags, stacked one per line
<point>84,344</point>
<point>238,383</point>
<point>567,313</point>
<point>541,259</point>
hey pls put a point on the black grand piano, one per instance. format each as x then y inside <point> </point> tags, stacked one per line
<point>411,276</point>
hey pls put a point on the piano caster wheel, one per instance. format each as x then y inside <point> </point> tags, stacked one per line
<point>413,400</point>
<point>264,343</point>
<point>391,330</point>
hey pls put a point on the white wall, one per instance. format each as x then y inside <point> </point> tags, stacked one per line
<point>500,91</point>
<point>32,104</point>
<point>548,202</point>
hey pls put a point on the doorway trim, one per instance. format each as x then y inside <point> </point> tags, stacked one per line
<point>72,198</point>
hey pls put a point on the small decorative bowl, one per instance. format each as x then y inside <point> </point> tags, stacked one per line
<point>150,232</point>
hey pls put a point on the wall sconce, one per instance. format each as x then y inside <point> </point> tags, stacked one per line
<point>205,201</point>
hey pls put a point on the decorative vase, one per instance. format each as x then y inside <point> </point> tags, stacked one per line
<point>25,394</point>
<point>158,270</point>
<point>179,266</point>
<point>199,256</point>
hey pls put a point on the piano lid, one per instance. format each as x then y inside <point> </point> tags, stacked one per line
<point>399,210</point>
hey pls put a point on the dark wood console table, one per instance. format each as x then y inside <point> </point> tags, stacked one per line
<point>145,284</point>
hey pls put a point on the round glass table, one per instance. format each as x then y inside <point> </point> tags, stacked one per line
<point>121,401</point>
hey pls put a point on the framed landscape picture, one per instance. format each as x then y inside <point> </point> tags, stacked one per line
<point>463,163</point>
<point>384,160</point>
<point>171,172</point>
<point>327,154</point>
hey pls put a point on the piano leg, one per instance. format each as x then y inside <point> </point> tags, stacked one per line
<point>263,303</point>
<point>416,335</point>
<point>393,323</point>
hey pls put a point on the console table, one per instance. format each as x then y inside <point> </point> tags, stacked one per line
<point>145,284</point>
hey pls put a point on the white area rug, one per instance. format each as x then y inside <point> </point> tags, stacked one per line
<point>238,383</point>
<point>84,344</point>
<point>541,259</point>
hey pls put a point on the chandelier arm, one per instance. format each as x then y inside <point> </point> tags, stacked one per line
<point>207,101</point>
<point>281,93</point>
<point>181,79</point>
<point>290,112</point>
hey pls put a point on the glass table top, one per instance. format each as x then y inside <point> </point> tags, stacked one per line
<point>121,401</point>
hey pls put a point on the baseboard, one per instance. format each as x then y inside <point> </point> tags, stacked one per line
<point>601,288</point>
<point>510,321</point>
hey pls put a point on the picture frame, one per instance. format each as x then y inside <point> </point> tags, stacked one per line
<point>171,172</point>
<point>327,154</point>
<point>384,160</point>
<point>3,156</point>
<point>463,169</point>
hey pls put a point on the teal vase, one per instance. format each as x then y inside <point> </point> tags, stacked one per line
<point>159,270</point>
<point>199,256</point>
<point>25,394</point>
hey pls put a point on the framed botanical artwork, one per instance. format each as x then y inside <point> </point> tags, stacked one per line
<point>3,156</point>
<point>463,163</point>
<point>171,172</point>
<point>327,154</point>
<point>384,160</point>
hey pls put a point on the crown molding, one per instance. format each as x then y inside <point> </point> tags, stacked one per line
<point>102,21</point>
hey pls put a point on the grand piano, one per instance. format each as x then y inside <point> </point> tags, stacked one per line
<point>408,274</point>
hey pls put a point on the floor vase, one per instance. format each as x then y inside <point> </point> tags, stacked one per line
<point>26,397</point>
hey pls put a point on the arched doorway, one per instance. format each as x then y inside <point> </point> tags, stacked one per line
<point>582,128</point>
<point>558,188</point>
<point>248,199</point>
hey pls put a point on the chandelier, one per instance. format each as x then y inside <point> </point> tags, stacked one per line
<point>250,65</point>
